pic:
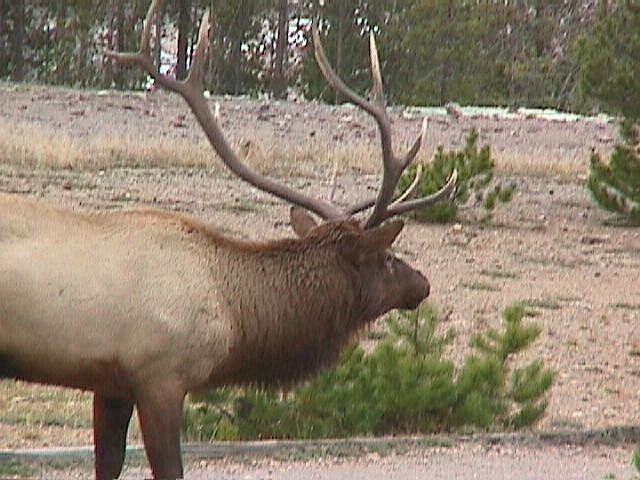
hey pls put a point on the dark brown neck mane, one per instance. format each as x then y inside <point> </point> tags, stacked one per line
<point>280,335</point>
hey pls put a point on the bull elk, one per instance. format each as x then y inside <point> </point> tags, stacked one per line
<point>143,307</point>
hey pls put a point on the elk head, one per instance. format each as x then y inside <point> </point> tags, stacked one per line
<point>393,283</point>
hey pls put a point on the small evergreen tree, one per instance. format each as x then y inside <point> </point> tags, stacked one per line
<point>405,385</point>
<point>475,181</point>
<point>517,401</point>
<point>616,186</point>
<point>611,75</point>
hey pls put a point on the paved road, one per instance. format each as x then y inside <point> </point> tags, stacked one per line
<point>473,462</point>
<point>494,458</point>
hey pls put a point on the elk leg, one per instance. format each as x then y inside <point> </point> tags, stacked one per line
<point>110,423</point>
<point>160,412</point>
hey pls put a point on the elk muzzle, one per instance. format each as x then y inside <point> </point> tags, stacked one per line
<point>415,288</point>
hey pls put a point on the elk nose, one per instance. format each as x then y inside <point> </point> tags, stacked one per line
<point>419,292</point>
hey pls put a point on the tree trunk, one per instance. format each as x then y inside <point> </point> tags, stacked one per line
<point>340,46</point>
<point>18,41</point>
<point>157,47</point>
<point>5,55</point>
<point>107,78</point>
<point>243,21</point>
<point>279,84</point>
<point>211,81</point>
<point>216,52</point>
<point>4,8</point>
<point>183,38</point>
<point>445,77</point>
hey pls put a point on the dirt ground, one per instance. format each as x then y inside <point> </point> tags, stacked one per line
<point>551,246</point>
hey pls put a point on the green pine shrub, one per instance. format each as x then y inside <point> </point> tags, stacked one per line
<point>610,79</point>
<point>476,183</point>
<point>615,185</point>
<point>209,417</point>
<point>405,385</point>
<point>515,396</point>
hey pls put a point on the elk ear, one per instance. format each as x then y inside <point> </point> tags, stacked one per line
<point>301,221</point>
<point>382,237</point>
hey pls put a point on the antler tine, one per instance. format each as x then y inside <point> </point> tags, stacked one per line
<point>393,166</point>
<point>445,192</point>
<point>142,58</point>
<point>410,189</point>
<point>336,82</point>
<point>191,90</point>
<point>406,161</point>
<point>376,109</point>
<point>410,156</point>
<point>400,205</point>
<point>377,88</point>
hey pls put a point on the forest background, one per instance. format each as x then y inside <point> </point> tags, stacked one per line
<point>510,53</point>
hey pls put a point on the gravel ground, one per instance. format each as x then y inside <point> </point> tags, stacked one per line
<point>465,462</point>
<point>376,459</point>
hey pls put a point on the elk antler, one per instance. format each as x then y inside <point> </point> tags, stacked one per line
<point>392,164</point>
<point>192,91</point>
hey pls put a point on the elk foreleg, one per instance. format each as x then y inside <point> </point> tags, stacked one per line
<point>160,411</point>
<point>110,423</point>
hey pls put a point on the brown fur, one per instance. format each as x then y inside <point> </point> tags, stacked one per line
<point>143,307</point>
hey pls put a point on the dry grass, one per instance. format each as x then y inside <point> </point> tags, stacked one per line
<point>287,159</point>
<point>42,415</point>
<point>47,415</point>
<point>34,146</point>
<point>22,404</point>
<point>542,166</point>
<point>25,146</point>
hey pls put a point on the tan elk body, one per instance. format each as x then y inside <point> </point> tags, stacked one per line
<point>143,307</point>
<point>110,301</point>
<point>146,306</point>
